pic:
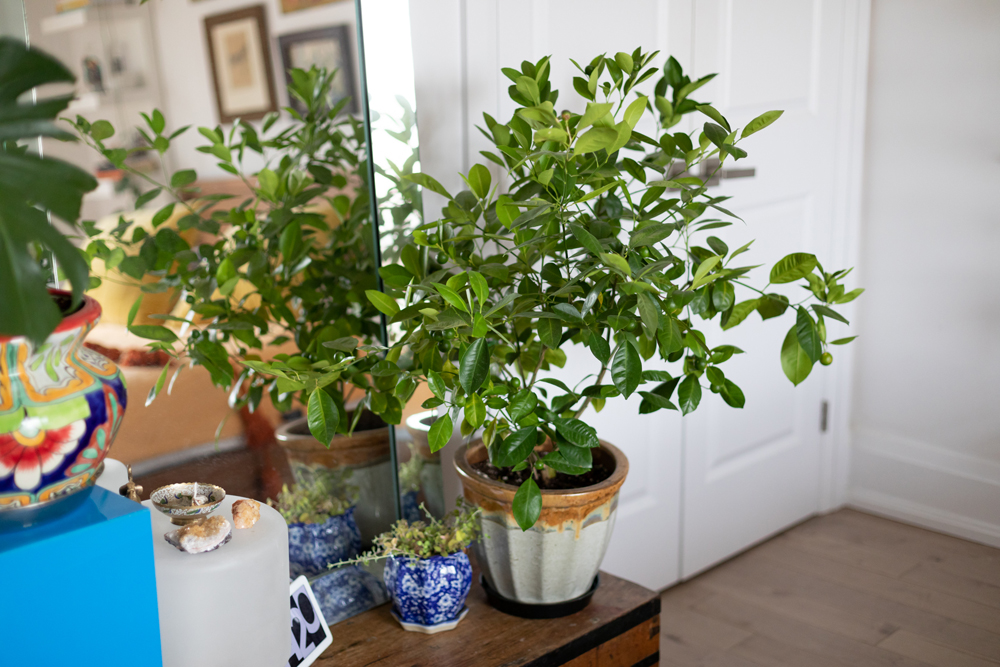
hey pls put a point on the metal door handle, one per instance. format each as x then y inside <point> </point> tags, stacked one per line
<point>710,165</point>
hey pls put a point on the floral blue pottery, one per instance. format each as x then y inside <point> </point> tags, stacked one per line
<point>314,546</point>
<point>428,591</point>
<point>346,592</point>
<point>411,506</point>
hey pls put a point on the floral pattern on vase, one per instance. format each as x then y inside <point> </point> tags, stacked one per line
<point>314,546</point>
<point>347,591</point>
<point>428,591</point>
<point>60,407</point>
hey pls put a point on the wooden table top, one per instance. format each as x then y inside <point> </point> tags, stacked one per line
<point>487,637</point>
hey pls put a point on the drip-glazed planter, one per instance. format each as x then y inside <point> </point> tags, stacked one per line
<point>312,547</point>
<point>60,407</point>
<point>557,559</point>
<point>428,591</point>
<point>365,454</point>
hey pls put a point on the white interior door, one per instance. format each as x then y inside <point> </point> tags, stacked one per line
<point>749,473</point>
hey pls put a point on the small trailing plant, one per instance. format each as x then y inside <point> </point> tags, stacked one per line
<point>273,270</point>
<point>33,190</point>
<point>425,539</point>
<point>313,501</point>
<point>409,472</point>
<point>603,239</point>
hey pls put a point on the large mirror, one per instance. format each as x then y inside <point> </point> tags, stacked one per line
<point>232,227</point>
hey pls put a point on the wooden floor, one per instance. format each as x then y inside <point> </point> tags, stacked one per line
<point>844,589</point>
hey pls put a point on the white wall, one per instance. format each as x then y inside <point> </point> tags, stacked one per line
<point>185,69</point>
<point>927,382</point>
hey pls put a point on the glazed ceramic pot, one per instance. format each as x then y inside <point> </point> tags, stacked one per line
<point>365,454</point>
<point>556,559</point>
<point>314,546</point>
<point>60,407</point>
<point>428,591</point>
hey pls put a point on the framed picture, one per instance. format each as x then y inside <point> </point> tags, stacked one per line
<point>296,5</point>
<point>241,64</point>
<point>325,47</point>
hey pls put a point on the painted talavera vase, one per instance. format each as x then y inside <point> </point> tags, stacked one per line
<point>60,407</point>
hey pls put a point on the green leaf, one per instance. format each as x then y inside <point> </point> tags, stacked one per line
<point>649,311</point>
<point>323,416</point>
<point>650,234</point>
<point>626,369</point>
<point>134,310</point>
<point>101,130</point>
<point>475,411</point>
<point>156,388</point>
<point>616,262</point>
<point>593,194</point>
<point>549,332</point>
<point>522,405</point>
<point>808,336</point>
<point>440,432</point>
<point>515,448</point>
<point>395,275</point>
<point>570,459</point>
<point>577,432</point>
<point>794,361</point>
<point>624,62</point>
<point>163,215</point>
<point>153,332</point>
<point>527,504</point>
<point>385,303</point>
<point>792,267</point>
<point>267,181</point>
<point>760,122</point>
<point>346,344</point>
<point>634,112</point>
<point>701,275</point>
<point>451,296</point>
<point>843,341</point>
<point>436,384</point>
<point>732,394</point>
<point>716,134</point>
<point>597,138</point>
<point>183,177</point>
<point>711,112</point>
<point>506,211</point>
<point>689,394</point>
<point>830,312</point>
<point>772,305</point>
<point>474,366</point>
<point>850,296</point>
<point>426,181</point>
<point>479,286</point>
<point>595,111</point>
<point>479,180</point>
<point>740,312</point>
<point>147,197</point>
<point>586,239</point>
<point>600,348</point>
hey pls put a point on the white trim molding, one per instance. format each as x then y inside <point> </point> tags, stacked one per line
<point>926,485</point>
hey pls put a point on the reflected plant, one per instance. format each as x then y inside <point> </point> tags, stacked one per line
<point>603,240</point>
<point>291,262</point>
<point>315,501</point>
<point>403,201</point>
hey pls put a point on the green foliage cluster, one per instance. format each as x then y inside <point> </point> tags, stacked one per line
<point>275,270</point>
<point>601,240</point>
<point>424,539</point>
<point>33,190</point>
<point>314,501</point>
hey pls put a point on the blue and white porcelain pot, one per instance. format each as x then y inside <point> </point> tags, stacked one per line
<point>314,546</point>
<point>428,591</point>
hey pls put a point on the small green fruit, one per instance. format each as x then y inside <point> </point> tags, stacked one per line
<point>826,359</point>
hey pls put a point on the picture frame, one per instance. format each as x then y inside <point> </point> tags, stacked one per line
<point>328,47</point>
<point>240,54</point>
<point>298,5</point>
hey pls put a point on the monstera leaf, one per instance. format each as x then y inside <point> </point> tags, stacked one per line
<point>31,187</point>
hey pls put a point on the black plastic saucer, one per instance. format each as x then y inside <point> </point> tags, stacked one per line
<point>525,610</point>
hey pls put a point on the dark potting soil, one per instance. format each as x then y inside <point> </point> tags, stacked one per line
<point>65,304</point>
<point>561,481</point>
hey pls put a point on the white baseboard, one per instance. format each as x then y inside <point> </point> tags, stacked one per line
<point>926,485</point>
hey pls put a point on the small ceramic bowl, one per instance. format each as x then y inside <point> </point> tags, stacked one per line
<point>174,500</point>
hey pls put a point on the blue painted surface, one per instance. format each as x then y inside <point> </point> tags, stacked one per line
<point>314,546</point>
<point>81,590</point>
<point>428,591</point>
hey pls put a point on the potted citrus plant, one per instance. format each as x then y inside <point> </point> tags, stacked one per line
<point>272,301</point>
<point>60,403</point>
<point>602,240</point>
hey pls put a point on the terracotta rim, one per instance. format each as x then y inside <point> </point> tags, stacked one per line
<point>305,442</point>
<point>88,313</point>
<point>504,492</point>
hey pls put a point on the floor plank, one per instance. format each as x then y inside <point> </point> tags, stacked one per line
<point>843,589</point>
<point>915,646</point>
